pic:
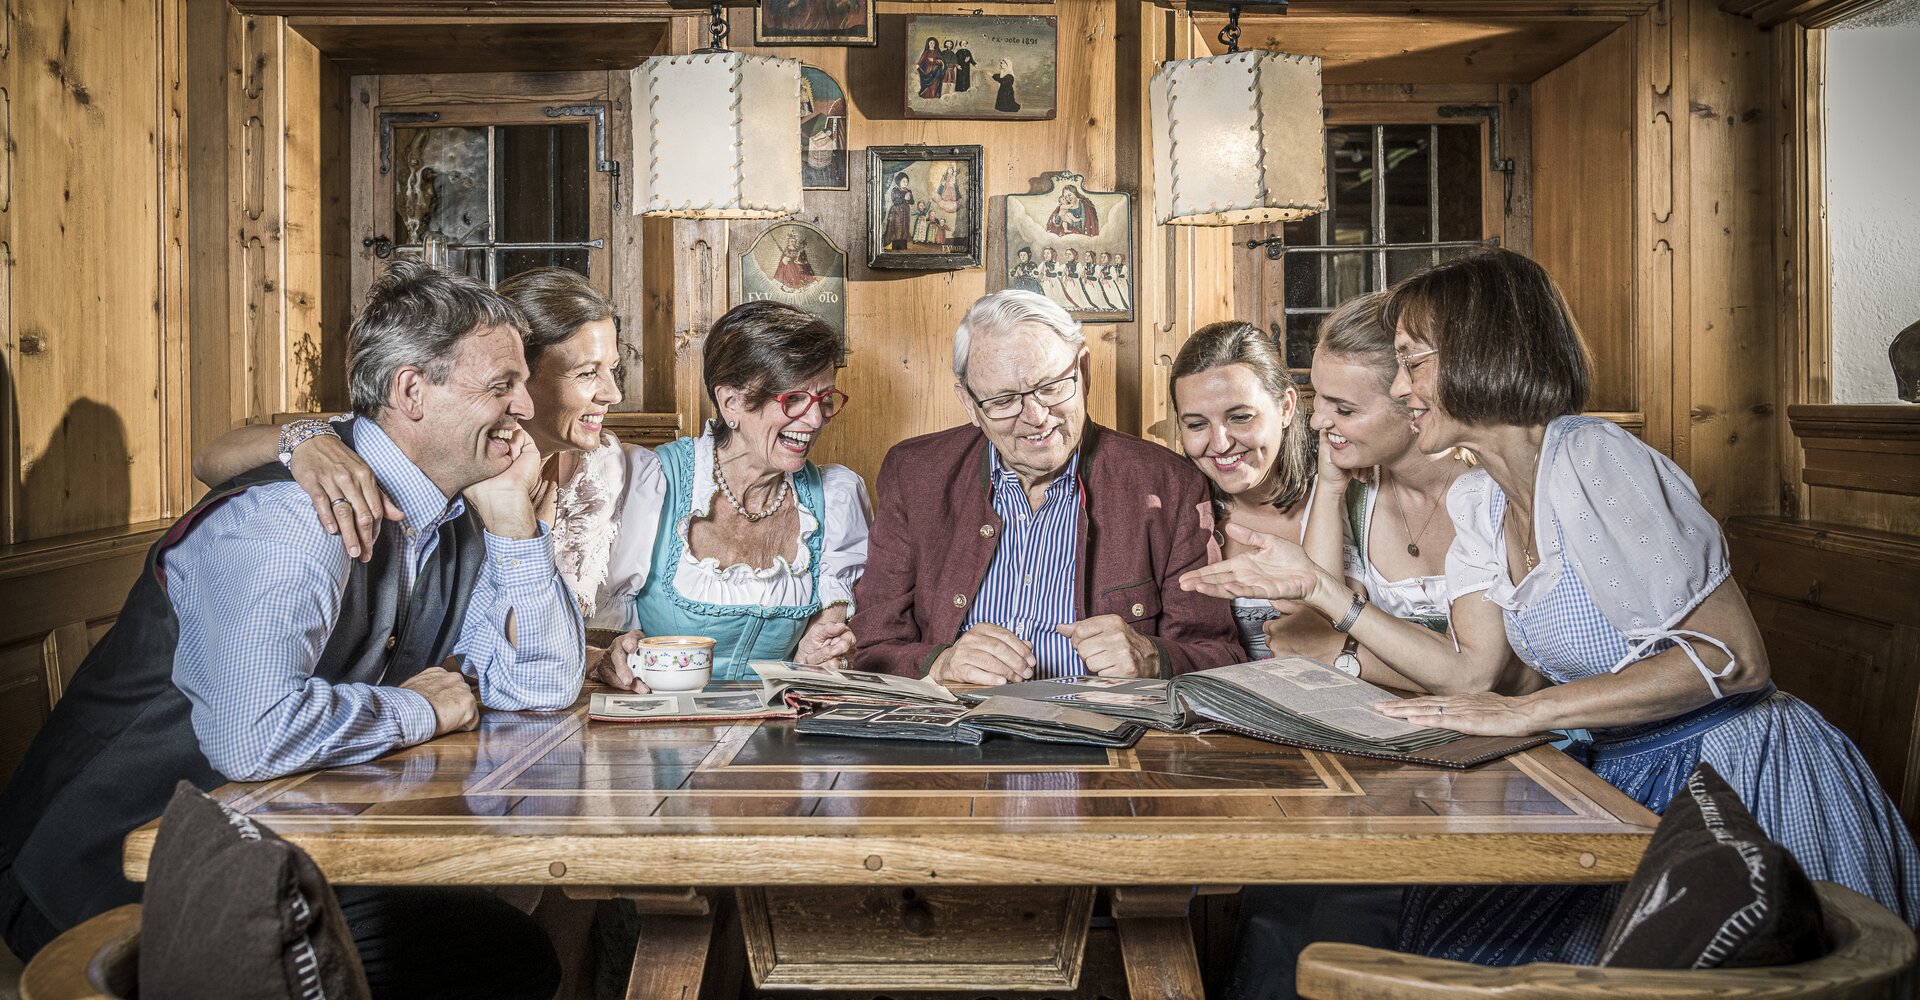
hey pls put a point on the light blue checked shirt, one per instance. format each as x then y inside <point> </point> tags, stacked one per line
<point>257,584</point>
<point>1030,583</point>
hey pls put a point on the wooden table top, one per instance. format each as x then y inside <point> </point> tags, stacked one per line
<point>539,798</point>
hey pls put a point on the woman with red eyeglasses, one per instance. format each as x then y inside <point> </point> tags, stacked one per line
<point>735,534</point>
<point>765,547</point>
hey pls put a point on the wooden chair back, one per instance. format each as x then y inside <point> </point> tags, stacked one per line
<point>1873,950</point>
<point>98,960</point>
<point>61,653</point>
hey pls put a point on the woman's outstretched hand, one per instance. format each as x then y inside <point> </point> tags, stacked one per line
<point>1473,714</point>
<point>1271,568</point>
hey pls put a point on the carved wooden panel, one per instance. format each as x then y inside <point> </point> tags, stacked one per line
<point>1837,609</point>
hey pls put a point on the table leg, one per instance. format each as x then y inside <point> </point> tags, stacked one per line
<point>1156,942</point>
<point>671,956</point>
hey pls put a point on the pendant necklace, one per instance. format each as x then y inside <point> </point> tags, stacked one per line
<point>1399,507</point>
<point>720,480</point>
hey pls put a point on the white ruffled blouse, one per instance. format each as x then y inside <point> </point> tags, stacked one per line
<point>789,581</point>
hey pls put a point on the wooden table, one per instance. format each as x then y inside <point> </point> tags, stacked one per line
<point>902,834</point>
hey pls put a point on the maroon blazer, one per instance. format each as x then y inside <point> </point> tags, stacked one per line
<point>1145,518</point>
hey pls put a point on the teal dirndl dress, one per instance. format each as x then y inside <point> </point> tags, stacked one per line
<point>741,632</point>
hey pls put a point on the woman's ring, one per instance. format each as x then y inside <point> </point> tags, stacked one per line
<point>343,500</point>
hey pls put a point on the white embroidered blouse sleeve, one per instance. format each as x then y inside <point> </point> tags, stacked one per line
<point>1473,563</point>
<point>1635,530</point>
<point>640,517</point>
<point>843,551</point>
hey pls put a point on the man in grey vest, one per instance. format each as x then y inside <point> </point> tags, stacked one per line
<point>253,647</point>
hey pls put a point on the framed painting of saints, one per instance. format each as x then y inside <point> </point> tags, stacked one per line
<point>982,67</point>
<point>1074,245</point>
<point>798,265</point>
<point>924,207</point>
<point>815,22</point>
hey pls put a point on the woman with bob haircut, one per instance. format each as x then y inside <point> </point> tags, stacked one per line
<point>1589,555</point>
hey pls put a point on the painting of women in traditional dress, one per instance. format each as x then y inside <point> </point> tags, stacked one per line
<point>1082,238</point>
<point>1075,215</point>
<point>932,68</point>
<point>982,67</point>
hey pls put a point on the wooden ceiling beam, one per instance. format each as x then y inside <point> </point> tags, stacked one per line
<point>1807,13</point>
<point>1477,9</point>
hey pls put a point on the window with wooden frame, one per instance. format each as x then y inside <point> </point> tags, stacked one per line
<point>1408,186</point>
<point>496,189</point>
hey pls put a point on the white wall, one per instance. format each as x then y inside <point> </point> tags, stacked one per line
<point>1873,200</point>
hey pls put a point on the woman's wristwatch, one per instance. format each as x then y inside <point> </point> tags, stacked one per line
<point>1348,662</point>
<point>295,433</point>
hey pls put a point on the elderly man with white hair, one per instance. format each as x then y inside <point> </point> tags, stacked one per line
<point>1033,542</point>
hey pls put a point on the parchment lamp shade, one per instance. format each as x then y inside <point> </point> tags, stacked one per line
<point>1238,138</point>
<point>713,136</point>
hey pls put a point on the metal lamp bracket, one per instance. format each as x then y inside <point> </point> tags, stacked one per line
<point>1495,162</point>
<point>1230,35</point>
<point>597,112</point>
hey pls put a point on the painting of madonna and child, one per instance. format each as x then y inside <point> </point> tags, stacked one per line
<point>1073,245</point>
<point>989,68</point>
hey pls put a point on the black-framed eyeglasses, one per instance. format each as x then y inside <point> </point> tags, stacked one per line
<point>1052,392</point>
<point>796,402</point>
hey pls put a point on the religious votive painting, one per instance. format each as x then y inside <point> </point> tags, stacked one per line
<point>924,207</point>
<point>796,264</point>
<point>990,68</point>
<point>823,132</point>
<point>815,22</point>
<point>1074,245</point>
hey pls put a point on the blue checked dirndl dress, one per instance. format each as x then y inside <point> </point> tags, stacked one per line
<point>1803,780</point>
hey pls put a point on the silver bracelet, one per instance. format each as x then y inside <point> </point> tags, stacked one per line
<point>1353,614</point>
<point>295,433</point>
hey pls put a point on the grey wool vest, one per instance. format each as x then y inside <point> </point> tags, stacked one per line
<point>121,737</point>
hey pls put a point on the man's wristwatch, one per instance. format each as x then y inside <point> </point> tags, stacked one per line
<point>1348,662</point>
<point>295,433</point>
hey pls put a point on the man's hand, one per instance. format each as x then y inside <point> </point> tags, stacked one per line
<point>825,643</point>
<point>1111,648</point>
<point>505,502</point>
<point>609,665</point>
<point>455,709</point>
<point>986,655</point>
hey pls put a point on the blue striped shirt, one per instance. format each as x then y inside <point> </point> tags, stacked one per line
<point>1029,587</point>
<point>257,583</point>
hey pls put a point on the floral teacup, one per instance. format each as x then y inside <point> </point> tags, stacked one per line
<point>673,662</point>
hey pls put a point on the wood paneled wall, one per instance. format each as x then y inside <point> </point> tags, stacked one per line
<point>901,323</point>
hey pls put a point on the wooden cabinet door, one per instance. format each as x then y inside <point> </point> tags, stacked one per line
<point>92,188</point>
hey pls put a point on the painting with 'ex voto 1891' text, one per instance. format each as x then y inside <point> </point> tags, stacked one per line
<point>975,67</point>
<point>798,265</point>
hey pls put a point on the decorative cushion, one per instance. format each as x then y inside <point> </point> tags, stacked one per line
<point>1713,892</point>
<point>233,911</point>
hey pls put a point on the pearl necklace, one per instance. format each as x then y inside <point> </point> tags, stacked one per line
<point>720,480</point>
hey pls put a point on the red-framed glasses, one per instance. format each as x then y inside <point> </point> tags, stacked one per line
<point>796,402</point>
